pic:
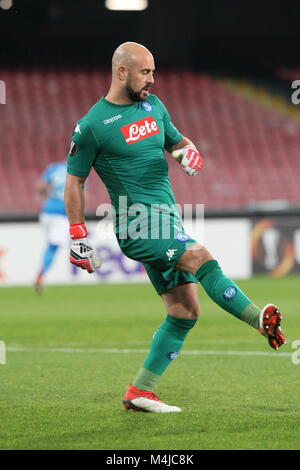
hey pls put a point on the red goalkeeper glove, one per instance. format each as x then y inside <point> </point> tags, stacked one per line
<point>82,254</point>
<point>190,159</point>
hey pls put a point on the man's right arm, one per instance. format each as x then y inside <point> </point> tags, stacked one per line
<point>82,153</point>
<point>74,199</point>
<point>82,253</point>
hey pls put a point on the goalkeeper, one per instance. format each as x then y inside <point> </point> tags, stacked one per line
<point>123,137</point>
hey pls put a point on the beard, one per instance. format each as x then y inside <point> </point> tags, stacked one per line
<point>136,95</point>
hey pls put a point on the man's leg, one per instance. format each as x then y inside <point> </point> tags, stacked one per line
<point>229,296</point>
<point>182,308</point>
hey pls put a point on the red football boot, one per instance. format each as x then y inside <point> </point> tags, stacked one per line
<point>144,400</point>
<point>269,326</point>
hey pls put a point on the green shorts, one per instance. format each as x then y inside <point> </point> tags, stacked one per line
<point>160,256</point>
<point>164,281</point>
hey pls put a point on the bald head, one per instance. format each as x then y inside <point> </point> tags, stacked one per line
<point>132,73</point>
<point>129,54</point>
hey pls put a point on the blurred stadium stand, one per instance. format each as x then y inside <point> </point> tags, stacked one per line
<point>53,65</point>
<point>251,148</point>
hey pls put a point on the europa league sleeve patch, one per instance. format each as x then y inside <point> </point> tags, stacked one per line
<point>73,148</point>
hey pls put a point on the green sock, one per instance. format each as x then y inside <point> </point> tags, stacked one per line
<point>227,294</point>
<point>165,346</point>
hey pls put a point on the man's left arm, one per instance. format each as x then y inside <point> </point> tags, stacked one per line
<point>186,153</point>
<point>180,147</point>
<point>184,142</point>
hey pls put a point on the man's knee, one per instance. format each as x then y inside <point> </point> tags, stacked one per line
<point>191,260</point>
<point>193,312</point>
<point>188,310</point>
<point>182,301</point>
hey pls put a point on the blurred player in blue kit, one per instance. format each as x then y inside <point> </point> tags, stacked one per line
<point>52,216</point>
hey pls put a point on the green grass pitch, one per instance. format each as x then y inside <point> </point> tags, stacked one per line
<point>72,352</point>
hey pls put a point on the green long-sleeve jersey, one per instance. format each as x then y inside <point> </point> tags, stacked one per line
<point>125,144</point>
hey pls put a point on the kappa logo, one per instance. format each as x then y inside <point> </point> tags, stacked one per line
<point>140,130</point>
<point>170,253</point>
<point>112,119</point>
<point>77,129</point>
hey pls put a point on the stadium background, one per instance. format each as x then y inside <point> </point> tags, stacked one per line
<point>225,71</point>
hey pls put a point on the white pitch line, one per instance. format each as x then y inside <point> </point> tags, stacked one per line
<point>200,352</point>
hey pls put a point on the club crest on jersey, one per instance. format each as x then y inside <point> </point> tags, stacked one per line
<point>146,106</point>
<point>139,130</point>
